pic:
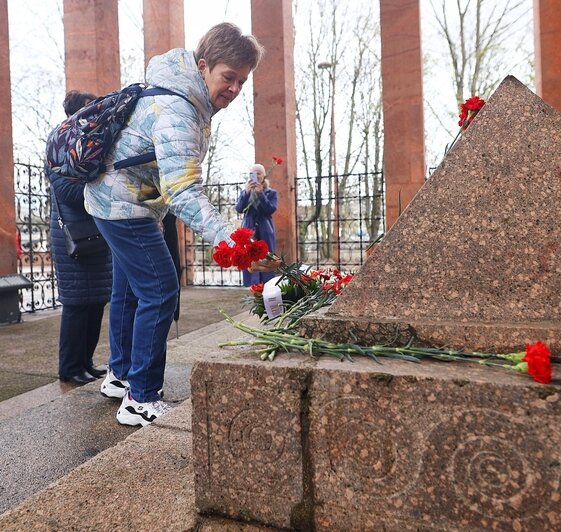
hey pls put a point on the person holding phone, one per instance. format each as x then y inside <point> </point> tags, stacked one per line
<point>258,201</point>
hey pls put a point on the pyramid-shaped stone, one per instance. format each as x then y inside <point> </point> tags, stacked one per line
<point>475,260</point>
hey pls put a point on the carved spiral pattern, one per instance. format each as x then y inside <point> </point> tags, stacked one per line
<point>369,452</point>
<point>253,433</point>
<point>494,467</point>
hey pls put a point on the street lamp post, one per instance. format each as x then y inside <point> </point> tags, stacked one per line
<point>333,163</point>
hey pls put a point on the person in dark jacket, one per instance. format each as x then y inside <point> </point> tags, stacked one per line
<point>84,283</point>
<point>258,202</point>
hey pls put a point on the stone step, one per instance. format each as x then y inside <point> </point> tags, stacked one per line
<point>46,437</point>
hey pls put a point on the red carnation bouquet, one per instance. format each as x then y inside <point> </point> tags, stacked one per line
<point>246,251</point>
<point>243,253</point>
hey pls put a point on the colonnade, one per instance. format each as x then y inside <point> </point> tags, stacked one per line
<point>92,63</point>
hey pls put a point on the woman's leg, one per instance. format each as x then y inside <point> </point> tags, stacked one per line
<point>95,317</point>
<point>122,310</point>
<point>145,266</point>
<point>72,341</point>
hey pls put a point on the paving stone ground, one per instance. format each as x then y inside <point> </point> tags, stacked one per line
<point>29,352</point>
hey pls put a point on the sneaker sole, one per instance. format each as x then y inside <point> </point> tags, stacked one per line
<point>113,395</point>
<point>126,417</point>
<point>113,392</point>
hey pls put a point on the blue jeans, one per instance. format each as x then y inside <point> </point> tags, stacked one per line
<point>143,301</point>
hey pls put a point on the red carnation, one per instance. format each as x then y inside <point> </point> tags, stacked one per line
<point>469,109</point>
<point>223,255</point>
<point>475,103</point>
<point>257,250</point>
<point>242,235</point>
<point>257,288</point>
<point>278,160</point>
<point>538,359</point>
<point>240,258</point>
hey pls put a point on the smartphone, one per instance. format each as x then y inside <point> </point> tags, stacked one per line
<point>253,176</point>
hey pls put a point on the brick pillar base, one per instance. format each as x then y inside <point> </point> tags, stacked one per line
<point>547,31</point>
<point>274,108</point>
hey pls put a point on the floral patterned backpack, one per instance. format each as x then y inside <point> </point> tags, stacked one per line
<point>77,148</point>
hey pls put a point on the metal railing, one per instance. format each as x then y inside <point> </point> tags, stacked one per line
<point>338,217</point>
<point>33,212</point>
<point>323,238</point>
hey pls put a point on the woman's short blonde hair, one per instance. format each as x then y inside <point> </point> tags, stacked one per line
<point>224,43</point>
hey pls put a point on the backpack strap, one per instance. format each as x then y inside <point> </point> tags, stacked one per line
<point>150,156</point>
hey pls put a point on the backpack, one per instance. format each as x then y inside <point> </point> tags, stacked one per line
<point>77,148</point>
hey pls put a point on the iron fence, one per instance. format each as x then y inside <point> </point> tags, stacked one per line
<point>337,217</point>
<point>33,212</point>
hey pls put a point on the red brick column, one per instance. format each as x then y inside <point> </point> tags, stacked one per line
<point>402,78</point>
<point>274,111</point>
<point>91,45</point>
<point>547,37</point>
<point>164,27</point>
<point>8,254</point>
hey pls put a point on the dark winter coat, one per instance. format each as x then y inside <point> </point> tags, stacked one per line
<point>259,217</point>
<point>82,281</point>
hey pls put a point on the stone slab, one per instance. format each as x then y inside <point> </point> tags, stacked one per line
<point>475,259</point>
<point>247,440</point>
<point>304,444</point>
<point>472,336</point>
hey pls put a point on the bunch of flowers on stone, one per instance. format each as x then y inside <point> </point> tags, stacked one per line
<point>310,291</point>
<point>266,343</point>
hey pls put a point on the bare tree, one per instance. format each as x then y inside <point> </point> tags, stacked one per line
<point>480,42</point>
<point>475,32</point>
<point>338,86</point>
<point>37,87</point>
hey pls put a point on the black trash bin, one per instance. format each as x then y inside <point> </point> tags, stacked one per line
<point>9,297</point>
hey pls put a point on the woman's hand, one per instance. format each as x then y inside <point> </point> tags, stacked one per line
<point>265,265</point>
<point>252,186</point>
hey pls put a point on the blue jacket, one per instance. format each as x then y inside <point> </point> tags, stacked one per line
<point>178,131</point>
<point>82,281</point>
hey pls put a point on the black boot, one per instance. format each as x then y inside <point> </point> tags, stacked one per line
<point>97,371</point>
<point>80,378</point>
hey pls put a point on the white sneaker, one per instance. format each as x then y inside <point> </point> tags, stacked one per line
<point>133,413</point>
<point>113,387</point>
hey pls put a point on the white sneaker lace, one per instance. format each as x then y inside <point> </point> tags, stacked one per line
<point>160,407</point>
